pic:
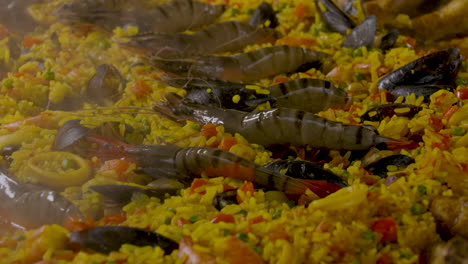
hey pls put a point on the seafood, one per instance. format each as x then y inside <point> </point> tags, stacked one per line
<point>245,67</point>
<point>380,167</point>
<point>420,90</point>
<point>171,160</point>
<point>221,37</point>
<point>312,95</point>
<point>105,239</point>
<point>335,18</point>
<point>106,86</point>
<point>388,110</point>
<point>262,14</point>
<point>122,194</point>
<point>389,40</point>
<point>440,23</point>
<point>14,14</point>
<point>290,126</point>
<point>223,199</point>
<point>439,67</point>
<point>453,251</point>
<point>308,170</point>
<point>32,205</point>
<point>363,34</point>
<point>451,214</point>
<point>165,18</point>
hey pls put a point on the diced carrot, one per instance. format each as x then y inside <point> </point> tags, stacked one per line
<point>197,183</point>
<point>450,111</point>
<point>209,130</point>
<point>221,217</point>
<point>387,227</point>
<point>114,219</point>
<point>462,94</point>
<point>301,11</point>
<point>140,89</point>
<point>278,234</point>
<point>227,143</point>
<point>30,41</point>
<point>118,165</point>
<point>257,220</point>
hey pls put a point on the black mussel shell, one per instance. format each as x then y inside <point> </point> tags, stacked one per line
<point>264,12</point>
<point>303,169</point>
<point>7,150</point>
<point>440,67</point>
<point>362,35</point>
<point>69,133</point>
<point>223,199</point>
<point>105,239</point>
<point>380,167</point>
<point>334,17</point>
<point>389,40</point>
<point>106,86</point>
<point>388,110</point>
<point>122,194</point>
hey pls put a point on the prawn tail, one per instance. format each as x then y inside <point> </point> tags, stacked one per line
<point>395,144</point>
<point>167,109</point>
<point>107,148</point>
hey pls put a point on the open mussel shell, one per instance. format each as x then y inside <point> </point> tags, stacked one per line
<point>224,199</point>
<point>381,167</point>
<point>263,13</point>
<point>439,67</point>
<point>307,170</point>
<point>106,86</point>
<point>389,40</point>
<point>362,35</point>
<point>105,239</point>
<point>334,17</point>
<point>69,133</point>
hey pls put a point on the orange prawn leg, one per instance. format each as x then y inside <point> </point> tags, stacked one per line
<point>43,120</point>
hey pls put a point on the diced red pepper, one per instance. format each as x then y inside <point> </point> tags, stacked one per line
<point>227,143</point>
<point>221,217</point>
<point>411,42</point>
<point>228,188</point>
<point>462,94</point>
<point>257,220</point>
<point>278,234</point>
<point>436,123</point>
<point>140,89</point>
<point>384,259</point>
<point>301,11</point>
<point>247,188</point>
<point>281,79</point>
<point>197,183</point>
<point>3,32</point>
<point>387,227</point>
<point>30,41</point>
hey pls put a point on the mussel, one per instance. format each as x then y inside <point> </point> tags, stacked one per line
<point>388,110</point>
<point>381,169</point>
<point>105,239</point>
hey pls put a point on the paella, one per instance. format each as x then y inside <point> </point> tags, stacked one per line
<point>231,131</point>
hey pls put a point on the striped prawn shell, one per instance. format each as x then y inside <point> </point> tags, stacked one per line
<point>244,67</point>
<point>285,125</point>
<point>311,95</point>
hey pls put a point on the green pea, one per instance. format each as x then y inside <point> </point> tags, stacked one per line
<point>226,232</point>
<point>458,131</point>
<point>417,209</point>
<point>242,236</point>
<point>193,218</point>
<point>359,76</point>
<point>49,75</point>
<point>8,83</point>
<point>242,212</point>
<point>357,53</point>
<point>461,81</point>
<point>368,235</point>
<point>422,190</point>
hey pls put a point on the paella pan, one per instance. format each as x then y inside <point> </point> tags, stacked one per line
<point>230,131</point>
